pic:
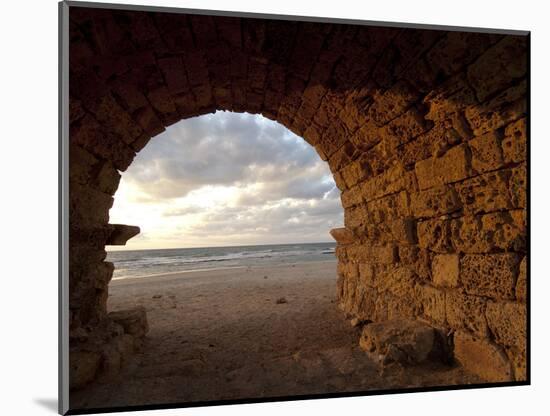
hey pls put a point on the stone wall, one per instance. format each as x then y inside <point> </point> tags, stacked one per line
<point>423,130</point>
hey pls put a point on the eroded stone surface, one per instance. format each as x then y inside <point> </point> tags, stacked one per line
<point>403,341</point>
<point>482,357</point>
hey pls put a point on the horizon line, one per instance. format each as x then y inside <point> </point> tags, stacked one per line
<point>239,245</point>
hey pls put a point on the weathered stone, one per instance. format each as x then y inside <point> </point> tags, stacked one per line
<point>404,128</point>
<point>499,66</point>
<point>351,197</point>
<point>403,341</point>
<point>134,321</point>
<point>445,270</point>
<point>485,193</point>
<point>458,49</point>
<point>510,105</point>
<point>433,303</point>
<point>518,360</point>
<point>518,186</point>
<point>342,235</point>
<point>481,357</point>
<point>508,323</point>
<point>434,202</point>
<point>394,180</point>
<point>419,259</point>
<point>121,233</point>
<point>392,103</point>
<point>486,152</point>
<point>521,284</point>
<point>449,99</point>
<point>356,219</point>
<point>451,167</point>
<point>382,254</point>
<point>514,143</point>
<point>83,367</point>
<point>88,206</point>
<point>399,281</point>
<point>435,235</point>
<point>491,275</point>
<point>466,312</point>
<point>489,233</point>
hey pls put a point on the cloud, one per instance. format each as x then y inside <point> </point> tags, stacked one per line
<point>239,177</point>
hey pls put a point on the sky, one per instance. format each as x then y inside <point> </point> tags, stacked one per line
<point>227,179</point>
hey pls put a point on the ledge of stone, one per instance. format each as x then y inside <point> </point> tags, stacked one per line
<point>121,233</point>
<point>342,235</point>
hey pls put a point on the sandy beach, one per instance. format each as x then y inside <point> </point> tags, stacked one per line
<point>247,332</point>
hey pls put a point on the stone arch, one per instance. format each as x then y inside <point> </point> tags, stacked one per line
<point>423,130</point>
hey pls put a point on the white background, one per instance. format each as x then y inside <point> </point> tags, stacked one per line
<point>28,152</point>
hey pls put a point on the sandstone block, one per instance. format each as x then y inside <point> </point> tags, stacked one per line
<point>351,197</point>
<point>419,259</point>
<point>393,180</point>
<point>434,202</point>
<point>83,368</point>
<point>451,167</point>
<point>432,301</point>
<point>481,357</point>
<point>445,270</point>
<point>404,128</point>
<point>508,323</point>
<point>491,275</point>
<point>399,281</point>
<point>82,164</point>
<point>519,363</point>
<point>518,186</point>
<point>509,105</point>
<point>115,119</point>
<point>499,66</point>
<point>404,341</point>
<point>466,312</point>
<point>367,275</point>
<point>521,285</point>
<point>342,235</point>
<point>368,253</point>
<point>435,235</point>
<point>134,321</point>
<point>99,141</point>
<point>488,233</point>
<point>392,102</point>
<point>148,121</point>
<point>486,152</point>
<point>485,193</point>
<point>457,49</point>
<point>514,143</point>
<point>355,172</point>
<point>88,207</point>
<point>356,218</point>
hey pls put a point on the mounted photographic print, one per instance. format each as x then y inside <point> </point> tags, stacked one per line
<point>266,208</point>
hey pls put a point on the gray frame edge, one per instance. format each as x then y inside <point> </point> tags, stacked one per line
<point>63,208</point>
<point>318,19</point>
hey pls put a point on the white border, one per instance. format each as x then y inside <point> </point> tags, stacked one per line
<point>29,208</point>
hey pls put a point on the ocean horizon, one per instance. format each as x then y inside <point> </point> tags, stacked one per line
<point>151,262</point>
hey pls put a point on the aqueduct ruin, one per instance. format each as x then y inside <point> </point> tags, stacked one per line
<point>423,130</point>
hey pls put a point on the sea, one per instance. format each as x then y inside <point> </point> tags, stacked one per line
<point>146,263</point>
